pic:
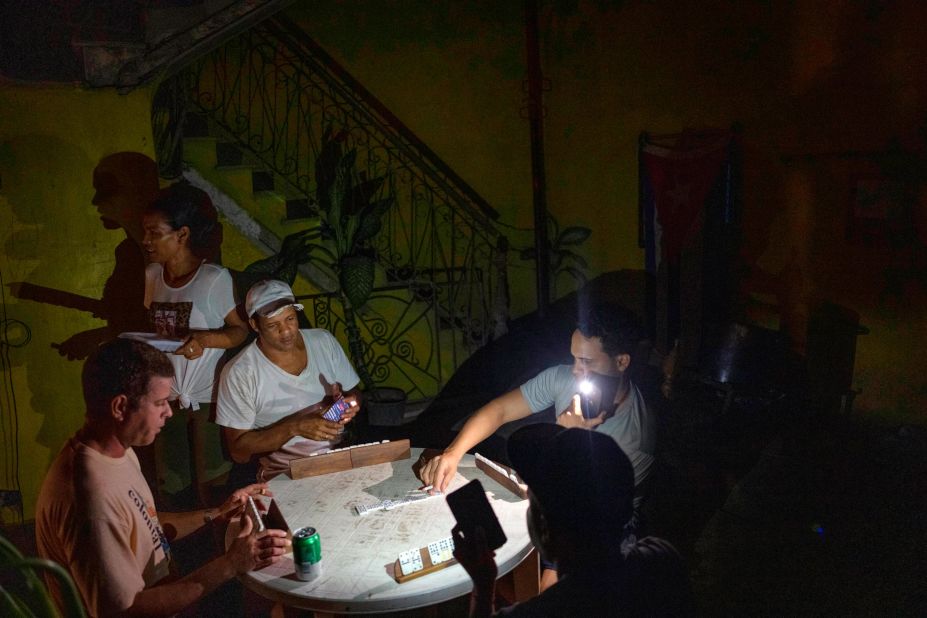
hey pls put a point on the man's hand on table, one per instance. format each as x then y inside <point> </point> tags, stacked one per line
<point>440,471</point>
<point>253,550</point>
<point>573,417</point>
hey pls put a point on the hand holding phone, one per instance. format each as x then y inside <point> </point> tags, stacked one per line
<point>597,394</point>
<point>471,509</point>
<point>255,515</point>
<point>337,409</point>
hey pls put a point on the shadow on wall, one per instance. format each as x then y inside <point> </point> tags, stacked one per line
<point>52,262</point>
<point>124,184</point>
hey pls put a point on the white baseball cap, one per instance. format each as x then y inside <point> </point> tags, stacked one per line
<point>269,297</point>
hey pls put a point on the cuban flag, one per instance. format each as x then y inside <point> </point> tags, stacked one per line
<point>677,175</point>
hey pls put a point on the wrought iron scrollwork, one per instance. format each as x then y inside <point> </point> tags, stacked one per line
<point>273,90</point>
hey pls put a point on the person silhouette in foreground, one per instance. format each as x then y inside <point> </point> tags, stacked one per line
<point>580,488</point>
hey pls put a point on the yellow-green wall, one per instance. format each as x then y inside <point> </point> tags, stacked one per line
<point>51,138</point>
<point>804,77</point>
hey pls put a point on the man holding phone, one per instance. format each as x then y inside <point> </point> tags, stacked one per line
<point>580,488</point>
<point>601,346</point>
<point>96,516</point>
<point>275,396</point>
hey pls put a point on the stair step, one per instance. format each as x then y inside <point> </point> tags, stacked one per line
<point>195,125</point>
<point>262,180</point>
<point>228,154</point>
<point>199,151</point>
<point>300,208</point>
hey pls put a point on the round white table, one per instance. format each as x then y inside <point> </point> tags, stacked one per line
<point>358,552</point>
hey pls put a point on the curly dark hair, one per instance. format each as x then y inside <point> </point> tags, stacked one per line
<point>182,204</point>
<point>121,367</point>
<point>618,328</point>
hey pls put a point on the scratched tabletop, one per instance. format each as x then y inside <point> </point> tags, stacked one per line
<point>358,552</point>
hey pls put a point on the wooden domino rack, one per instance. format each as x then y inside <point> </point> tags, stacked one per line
<point>424,560</point>
<point>350,457</point>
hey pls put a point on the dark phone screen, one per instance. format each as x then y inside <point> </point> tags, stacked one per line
<point>604,389</point>
<point>471,508</point>
<point>274,518</point>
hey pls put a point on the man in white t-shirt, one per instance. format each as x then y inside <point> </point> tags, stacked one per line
<point>273,394</point>
<point>95,514</point>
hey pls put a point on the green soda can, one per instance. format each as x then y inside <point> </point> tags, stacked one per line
<point>307,554</point>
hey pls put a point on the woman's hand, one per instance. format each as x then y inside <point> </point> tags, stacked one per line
<point>193,346</point>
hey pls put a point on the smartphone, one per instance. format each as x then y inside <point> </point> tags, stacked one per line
<point>274,519</point>
<point>254,515</point>
<point>471,508</point>
<point>600,394</point>
<point>337,410</point>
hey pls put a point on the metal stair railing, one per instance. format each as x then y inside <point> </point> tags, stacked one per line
<point>273,90</point>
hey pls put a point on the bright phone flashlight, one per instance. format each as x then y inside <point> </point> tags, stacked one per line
<point>586,387</point>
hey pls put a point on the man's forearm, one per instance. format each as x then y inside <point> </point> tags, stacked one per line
<point>179,525</point>
<point>485,421</point>
<point>265,440</point>
<point>223,338</point>
<point>478,427</point>
<point>169,599</point>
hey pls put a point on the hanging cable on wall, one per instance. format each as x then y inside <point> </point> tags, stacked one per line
<point>13,334</point>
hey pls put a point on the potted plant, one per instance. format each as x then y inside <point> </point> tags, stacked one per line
<point>351,208</point>
<point>563,259</point>
<point>26,594</point>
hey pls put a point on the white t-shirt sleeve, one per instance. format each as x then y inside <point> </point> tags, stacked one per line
<point>338,367</point>
<point>235,404</point>
<point>541,391</point>
<point>221,296</point>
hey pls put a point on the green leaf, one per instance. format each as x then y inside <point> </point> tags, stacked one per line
<point>357,275</point>
<point>573,235</point>
<point>332,259</point>
<point>328,268</point>
<point>569,256</point>
<point>337,192</point>
<point>371,219</point>
<point>362,194</point>
<point>577,274</point>
<point>327,165</point>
